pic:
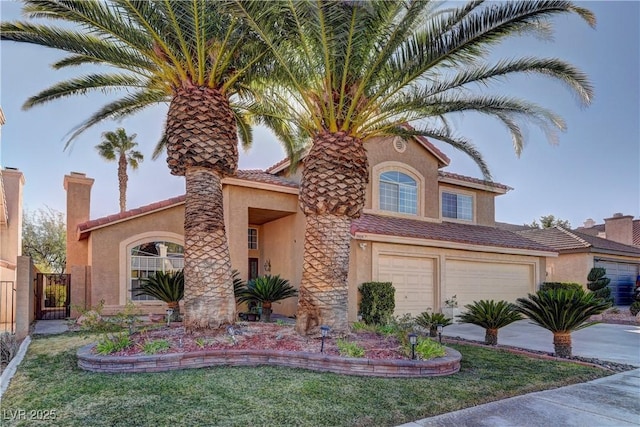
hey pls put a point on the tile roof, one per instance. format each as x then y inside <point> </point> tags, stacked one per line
<point>247,175</point>
<point>599,228</point>
<point>565,240</point>
<point>257,175</point>
<point>512,227</point>
<point>444,174</point>
<point>445,231</point>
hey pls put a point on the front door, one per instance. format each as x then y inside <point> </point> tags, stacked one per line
<point>253,268</point>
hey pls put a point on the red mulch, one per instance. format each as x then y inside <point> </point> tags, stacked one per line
<point>258,335</point>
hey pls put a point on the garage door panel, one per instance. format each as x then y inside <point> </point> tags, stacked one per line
<point>475,280</point>
<point>623,277</point>
<point>412,278</point>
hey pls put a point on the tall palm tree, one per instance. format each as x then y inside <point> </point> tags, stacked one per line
<point>118,145</point>
<point>361,70</point>
<point>192,55</point>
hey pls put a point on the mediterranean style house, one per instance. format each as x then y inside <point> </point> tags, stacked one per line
<point>430,232</point>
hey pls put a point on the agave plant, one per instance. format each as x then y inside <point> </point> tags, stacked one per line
<point>491,316</point>
<point>562,311</point>
<point>431,321</point>
<point>167,287</point>
<point>267,290</point>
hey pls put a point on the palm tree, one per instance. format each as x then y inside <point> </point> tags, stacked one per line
<point>266,290</point>
<point>562,311</point>
<point>355,71</point>
<point>167,287</point>
<point>197,58</point>
<point>491,316</point>
<point>119,145</point>
<point>431,322</point>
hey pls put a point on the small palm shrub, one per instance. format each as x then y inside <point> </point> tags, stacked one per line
<point>167,287</point>
<point>562,311</point>
<point>491,316</point>
<point>266,290</point>
<point>431,322</point>
<point>349,349</point>
<point>378,302</point>
<point>156,346</point>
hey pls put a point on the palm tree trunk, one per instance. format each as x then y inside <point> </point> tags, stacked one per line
<point>122,180</point>
<point>208,299</point>
<point>322,299</point>
<point>491,336</point>
<point>266,311</point>
<point>332,191</point>
<point>562,344</point>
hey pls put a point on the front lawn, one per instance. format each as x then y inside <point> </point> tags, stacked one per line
<point>49,380</point>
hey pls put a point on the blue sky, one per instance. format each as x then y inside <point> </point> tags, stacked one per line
<point>594,171</point>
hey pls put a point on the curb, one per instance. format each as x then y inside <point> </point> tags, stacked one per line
<point>10,370</point>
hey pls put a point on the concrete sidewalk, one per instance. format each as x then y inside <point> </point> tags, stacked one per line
<point>610,401</point>
<point>50,327</point>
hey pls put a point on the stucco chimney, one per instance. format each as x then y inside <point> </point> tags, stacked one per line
<point>619,228</point>
<point>78,188</point>
<point>589,223</point>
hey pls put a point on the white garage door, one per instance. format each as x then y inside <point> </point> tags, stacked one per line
<point>473,280</point>
<point>623,278</point>
<point>412,277</point>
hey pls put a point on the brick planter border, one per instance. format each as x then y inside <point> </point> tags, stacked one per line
<point>447,365</point>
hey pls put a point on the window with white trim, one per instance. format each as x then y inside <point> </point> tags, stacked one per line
<point>148,258</point>
<point>457,206</point>
<point>253,238</point>
<point>398,193</point>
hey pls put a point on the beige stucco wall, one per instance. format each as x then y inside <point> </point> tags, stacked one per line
<point>78,188</point>
<point>11,232</point>
<point>575,267</point>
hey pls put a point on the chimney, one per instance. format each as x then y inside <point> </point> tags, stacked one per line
<point>78,188</point>
<point>619,228</point>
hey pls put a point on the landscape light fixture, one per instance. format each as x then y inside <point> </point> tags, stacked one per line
<point>413,339</point>
<point>440,327</point>
<point>324,330</point>
<point>169,314</point>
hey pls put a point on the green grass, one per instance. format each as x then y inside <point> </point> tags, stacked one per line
<point>49,379</point>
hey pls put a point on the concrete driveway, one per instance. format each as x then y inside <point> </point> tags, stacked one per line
<point>614,343</point>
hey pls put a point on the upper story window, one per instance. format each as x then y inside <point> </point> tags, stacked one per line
<point>457,206</point>
<point>398,193</point>
<point>253,238</point>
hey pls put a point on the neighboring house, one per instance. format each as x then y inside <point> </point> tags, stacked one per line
<point>11,184</point>
<point>431,233</point>
<point>619,228</point>
<point>580,252</point>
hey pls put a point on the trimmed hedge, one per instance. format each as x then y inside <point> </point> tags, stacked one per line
<point>378,302</point>
<point>547,286</point>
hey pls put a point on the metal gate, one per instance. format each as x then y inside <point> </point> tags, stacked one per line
<point>53,296</point>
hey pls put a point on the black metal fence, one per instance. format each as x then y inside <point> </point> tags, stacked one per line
<point>53,296</point>
<point>7,306</point>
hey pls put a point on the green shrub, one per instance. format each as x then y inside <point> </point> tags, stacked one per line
<point>559,285</point>
<point>167,287</point>
<point>431,321</point>
<point>426,349</point>
<point>635,308</point>
<point>8,347</point>
<point>598,284</point>
<point>113,343</point>
<point>377,303</point>
<point>265,290</point>
<point>156,346</point>
<point>349,349</point>
<point>92,320</point>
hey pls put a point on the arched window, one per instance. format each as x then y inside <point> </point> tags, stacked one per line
<point>398,193</point>
<point>149,257</point>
